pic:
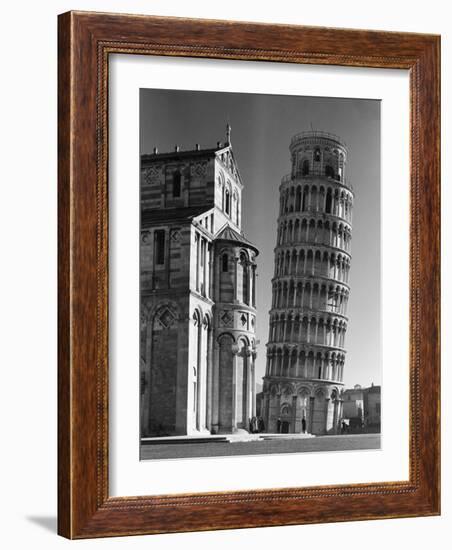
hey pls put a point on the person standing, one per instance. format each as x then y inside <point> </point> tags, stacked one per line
<point>303,425</point>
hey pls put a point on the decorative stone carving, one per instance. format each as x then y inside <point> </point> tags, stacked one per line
<point>199,169</point>
<point>145,237</point>
<point>150,175</point>
<point>287,390</point>
<point>226,319</point>
<point>166,318</point>
<point>175,235</point>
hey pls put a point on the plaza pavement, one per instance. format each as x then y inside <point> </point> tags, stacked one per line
<point>192,449</point>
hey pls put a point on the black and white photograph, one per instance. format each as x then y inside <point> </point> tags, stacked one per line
<point>225,228</point>
<point>259,274</point>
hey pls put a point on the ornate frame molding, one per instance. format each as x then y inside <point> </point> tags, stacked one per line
<point>85,42</point>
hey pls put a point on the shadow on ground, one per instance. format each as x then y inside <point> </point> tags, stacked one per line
<point>49,523</point>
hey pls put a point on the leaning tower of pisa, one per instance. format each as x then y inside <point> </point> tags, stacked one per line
<point>308,317</point>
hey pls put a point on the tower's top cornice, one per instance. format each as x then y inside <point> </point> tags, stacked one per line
<point>314,135</point>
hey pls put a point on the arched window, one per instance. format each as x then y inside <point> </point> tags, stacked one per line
<point>245,276</point>
<point>298,199</point>
<point>305,168</point>
<point>317,155</point>
<point>176,184</point>
<point>329,171</point>
<point>227,202</point>
<point>304,206</point>
<point>225,364</point>
<point>159,246</point>
<point>329,201</point>
<point>224,263</point>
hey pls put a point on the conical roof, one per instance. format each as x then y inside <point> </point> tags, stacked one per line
<point>227,233</point>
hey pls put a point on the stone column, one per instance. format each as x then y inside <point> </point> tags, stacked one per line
<point>234,418</point>
<point>294,413</point>
<point>340,410</point>
<point>277,409</point>
<point>197,239</point>
<point>215,417</point>
<point>327,407</point>
<point>253,297</point>
<point>236,280</point>
<point>209,269</point>
<point>247,408</point>
<point>204,267</point>
<point>335,417</point>
<point>249,283</point>
<point>266,411</point>
<point>167,257</point>
<point>253,384</point>
<point>216,262</point>
<point>203,382</point>
<point>311,415</point>
<point>210,375</point>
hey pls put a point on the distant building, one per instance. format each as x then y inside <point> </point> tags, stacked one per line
<point>198,315</point>
<point>353,407</point>
<point>362,408</point>
<point>372,408</point>
<point>259,402</point>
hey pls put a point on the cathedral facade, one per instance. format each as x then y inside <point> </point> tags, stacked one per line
<point>197,292</point>
<point>310,290</point>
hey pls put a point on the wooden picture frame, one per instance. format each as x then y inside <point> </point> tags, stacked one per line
<point>86,40</point>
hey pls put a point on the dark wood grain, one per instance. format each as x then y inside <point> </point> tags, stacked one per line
<point>64,295</point>
<point>85,42</point>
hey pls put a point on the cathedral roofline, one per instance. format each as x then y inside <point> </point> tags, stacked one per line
<point>181,154</point>
<point>197,152</point>
<point>184,213</point>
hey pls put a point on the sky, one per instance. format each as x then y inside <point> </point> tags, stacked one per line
<point>262,127</point>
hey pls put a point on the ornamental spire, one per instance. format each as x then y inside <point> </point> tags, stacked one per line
<point>228,134</point>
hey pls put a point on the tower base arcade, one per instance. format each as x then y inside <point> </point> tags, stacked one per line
<point>307,407</point>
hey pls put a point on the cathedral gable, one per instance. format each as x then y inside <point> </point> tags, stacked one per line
<point>228,163</point>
